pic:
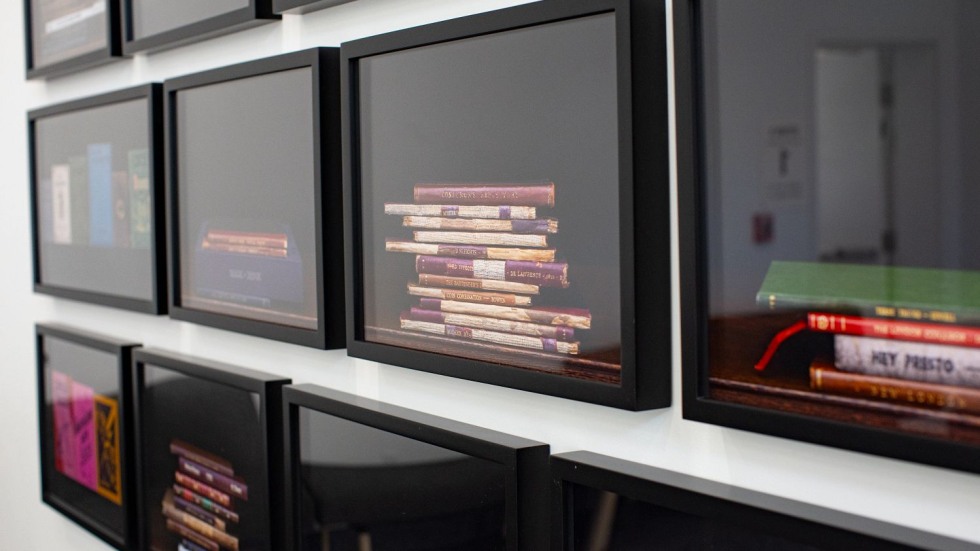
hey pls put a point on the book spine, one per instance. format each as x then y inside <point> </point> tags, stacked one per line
<point>198,512</point>
<point>191,535</point>
<point>503,299</point>
<point>78,168</point>
<point>543,226</point>
<point>470,251</point>
<point>469,333</point>
<point>430,280</point>
<point>244,249</point>
<point>201,457</point>
<point>271,240</point>
<point>570,317</point>
<point>883,389</point>
<point>500,212</point>
<point>101,233</point>
<point>205,503</point>
<point>545,274</point>
<point>191,546</point>
<point>914,361</point>
<point>532,195</point>
<point>223,539</point>
<point>492,324</point>
<point>203,489</point>
<point>894,329</point>
<point>481,238</point>
<point>227,484</point>
<point>61,204</point>
<point>120,209</point>
<point>140,213</point>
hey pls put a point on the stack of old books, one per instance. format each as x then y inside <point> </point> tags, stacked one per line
<point>904,336</point>
<point>200,507</point>
<point>482,257</point>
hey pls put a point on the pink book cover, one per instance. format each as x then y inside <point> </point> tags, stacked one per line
<point>83,416</point>
<point>64,434</point>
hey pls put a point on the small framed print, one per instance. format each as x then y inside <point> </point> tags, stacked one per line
<point>602,502</point>
<point>362,474</point>
<point>304,6</point>
<point>508,221</point>
<point>827,293</point>
<point>256,234</point>
<point>209,456</point>
<point>84,409</point>
<point>149,25</point>
<point>97,199</point>
<point>70,35</point>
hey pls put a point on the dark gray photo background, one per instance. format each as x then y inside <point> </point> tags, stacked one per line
<point>118,271</point>
<point>245,154</point>
<point>85,36</point>
<point>151,17</point>
<point>529,105</point>
<point>100,371</point>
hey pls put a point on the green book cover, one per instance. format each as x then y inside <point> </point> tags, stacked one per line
<point>140,214</point>
<point>78,177</point>
<point>925,294</point>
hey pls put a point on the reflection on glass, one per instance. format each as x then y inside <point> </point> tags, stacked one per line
<point>841,194</point>
<point>364,488</point>
<point>605,521</point>
<point>246,200</point>
<point>82,440</point>
<point>204,461</point>
<point>493,162</point>
<point>94,208</point>
<point>152,17</point>
<point>64,29</point>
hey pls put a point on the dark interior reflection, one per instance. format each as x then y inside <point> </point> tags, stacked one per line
<point>366,489</point>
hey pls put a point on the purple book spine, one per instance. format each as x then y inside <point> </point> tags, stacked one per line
<point>215,479</point>
<point>548,274</point>
<point>541,195</point>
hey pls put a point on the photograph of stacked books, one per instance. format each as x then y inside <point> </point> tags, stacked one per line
<point>873,344</point>
<point>200,507</point>
<point>482,256</point>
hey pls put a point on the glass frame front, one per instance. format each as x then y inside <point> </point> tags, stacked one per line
<point>257,12</point>
<point>112,50</point>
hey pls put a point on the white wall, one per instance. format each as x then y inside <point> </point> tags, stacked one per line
<point>922,497</point>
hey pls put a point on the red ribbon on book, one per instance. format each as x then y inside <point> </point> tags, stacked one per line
<point>775,343</point>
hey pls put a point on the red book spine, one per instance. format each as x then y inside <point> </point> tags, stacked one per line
<point>547,274</point>
<point>217,496</point>
<point>205,503</point>
<point>533,195</point>
<point>894,329</point>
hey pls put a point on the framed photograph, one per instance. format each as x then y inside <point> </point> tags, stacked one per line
<point>304,6</point>
<point>63,36</point>
<point>361,474</point>
<point>828,245</point>
<point>602,502</point>
<point>149,25</point>
<point>256,232</point>
<point>84,410</point>
<point>209,458</point>
<point>506,181</point>
<point>96,167</point>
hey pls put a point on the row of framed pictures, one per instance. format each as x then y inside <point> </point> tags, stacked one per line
<point>63,36</point>
<point>153,450</point>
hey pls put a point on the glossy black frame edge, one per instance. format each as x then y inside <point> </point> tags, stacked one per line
<point>123,350</point>
<point>527,460</point>
<point>153,92</point>
<point>328,203</point>
<point>644,196</point>
<point>779,516</point>
<point>304,6</point>
<point>267,385</point>
<point>111,52</point>
<point>694,318</point>
<point>258,12</point>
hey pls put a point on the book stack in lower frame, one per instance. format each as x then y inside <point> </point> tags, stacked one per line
<point>482,256</point>
<point>199,508</point>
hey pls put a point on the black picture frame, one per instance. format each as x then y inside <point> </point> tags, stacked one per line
<point>766,514</point>
<point>268,389</point>
<point>304,6</point>
<point>122,350</point>
<point>525,461</point>
<point>258,12</point>
<point>838,428</point>
<point>327,205</point>
<point>112,50</point>
<point>157,303</point>
<point>641,72</point>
